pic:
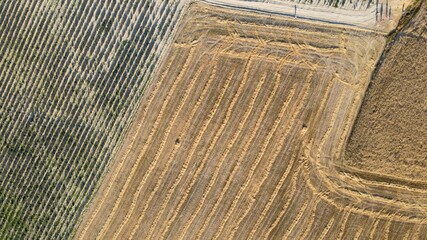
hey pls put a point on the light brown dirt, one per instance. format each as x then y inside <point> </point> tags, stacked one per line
<point>241,136</point>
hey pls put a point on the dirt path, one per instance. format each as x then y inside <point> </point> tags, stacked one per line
<point>364,18</point>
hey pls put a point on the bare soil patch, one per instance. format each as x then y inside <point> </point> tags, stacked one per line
<point>390,134</point>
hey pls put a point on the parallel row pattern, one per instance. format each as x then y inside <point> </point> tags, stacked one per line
<point>237,136</point>
<point>72,74</point>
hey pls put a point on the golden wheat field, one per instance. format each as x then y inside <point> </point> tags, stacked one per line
<point>213,119</point>
<point>242,134</point>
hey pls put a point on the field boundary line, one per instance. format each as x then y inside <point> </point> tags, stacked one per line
<point>136,195</point>
<point>152,94</point>
<point>152,133</point>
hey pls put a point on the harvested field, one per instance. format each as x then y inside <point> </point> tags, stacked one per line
<point>241,136</point>
<point>380,175</point>
<point>246,120</point>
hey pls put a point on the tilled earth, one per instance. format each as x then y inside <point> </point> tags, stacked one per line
<point>389,136</point>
